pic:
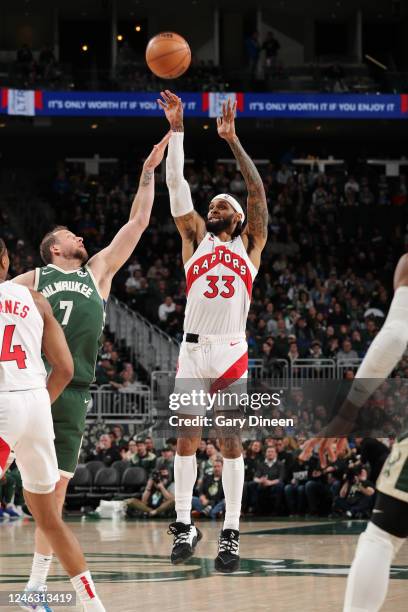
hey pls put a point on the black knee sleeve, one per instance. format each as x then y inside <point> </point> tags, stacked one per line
<point>391,515</point>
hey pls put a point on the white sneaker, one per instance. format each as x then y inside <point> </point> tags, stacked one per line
<point>32,606</point>
<point>11,510</point>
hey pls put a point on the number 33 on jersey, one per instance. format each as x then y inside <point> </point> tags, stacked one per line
<point>79,308</point>
<point>219,279</point>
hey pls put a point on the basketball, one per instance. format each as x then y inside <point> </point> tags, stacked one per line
<point>168,55</point>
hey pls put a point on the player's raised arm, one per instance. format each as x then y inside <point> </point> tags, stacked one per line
<point>383,355</point>
<point>257,213</point>
<point>388,346</point>
<point>189,223</point>
<point>107,262</point>
<point>55,348</point>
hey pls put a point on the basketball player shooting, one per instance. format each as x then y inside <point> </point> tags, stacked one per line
<point>77,290</point>
<point>221,260</point>
<point>28,327</point>
<point>367,583</point>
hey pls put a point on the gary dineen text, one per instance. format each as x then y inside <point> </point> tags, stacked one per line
<point>221,420</point>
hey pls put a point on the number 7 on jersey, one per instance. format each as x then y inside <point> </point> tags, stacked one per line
<point>67,306</point>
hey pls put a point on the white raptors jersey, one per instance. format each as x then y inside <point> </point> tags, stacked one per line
<point>219,279</point>
<point>21,330</point>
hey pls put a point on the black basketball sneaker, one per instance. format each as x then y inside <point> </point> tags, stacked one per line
<point>186,538</point>
<point>227,560</point>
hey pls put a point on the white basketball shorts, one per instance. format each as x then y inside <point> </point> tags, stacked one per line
<point>214,364</point>
<point>26,427</point>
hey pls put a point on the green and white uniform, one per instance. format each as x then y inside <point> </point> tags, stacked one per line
<point>393,479</point>
<point>80,309</point>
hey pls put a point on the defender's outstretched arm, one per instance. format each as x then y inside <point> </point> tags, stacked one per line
<point>107,262</point>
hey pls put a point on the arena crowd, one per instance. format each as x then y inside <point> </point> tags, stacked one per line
<point>324,285</point>
<point>277,481</point>
<point>323,291</point>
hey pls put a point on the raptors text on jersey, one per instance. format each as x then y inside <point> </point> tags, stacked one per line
<point>219,279</point>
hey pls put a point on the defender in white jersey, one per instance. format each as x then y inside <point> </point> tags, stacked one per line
<point>28,327</point>
<point>386,532</point>
<point>221,260</point>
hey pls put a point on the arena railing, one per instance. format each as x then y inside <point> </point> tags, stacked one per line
<point>147,343</point>
<point>162,381</point>
<point>312,369</point>
<point>255,368</point>
<point>140,405</point>
<point>134,405</point>
<point>347,365</point>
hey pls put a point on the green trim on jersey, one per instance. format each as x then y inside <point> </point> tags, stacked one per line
<point>402,482</point>
<point>79,308</point>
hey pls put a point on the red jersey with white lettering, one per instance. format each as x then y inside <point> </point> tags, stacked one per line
<point>219,279</point>
<point>21,331</point>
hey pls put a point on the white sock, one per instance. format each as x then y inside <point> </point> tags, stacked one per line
<point>85,589</point>
<point>185,475</point>
<point>233,473</point>
<point>367,582</point>
<point>39,570</point>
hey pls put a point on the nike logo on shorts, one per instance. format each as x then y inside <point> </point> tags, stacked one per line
<point>234,343</point>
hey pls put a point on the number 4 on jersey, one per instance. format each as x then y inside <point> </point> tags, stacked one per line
<point>9,353</point>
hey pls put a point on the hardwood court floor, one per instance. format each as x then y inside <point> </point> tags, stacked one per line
<point>286,566</point>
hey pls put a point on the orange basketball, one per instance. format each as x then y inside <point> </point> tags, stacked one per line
<point>168,55</point>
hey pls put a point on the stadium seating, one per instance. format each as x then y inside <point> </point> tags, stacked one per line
<point>132,484</point>
<point>79,486</point>
<point>106,483</point>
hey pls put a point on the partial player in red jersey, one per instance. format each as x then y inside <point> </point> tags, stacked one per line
<point>28,328</point>
<point>221,258</point>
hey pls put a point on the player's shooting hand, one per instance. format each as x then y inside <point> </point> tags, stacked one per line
<point>324,446</point>
<point>157,153</point>
<point>332,439</point>
<point>173,109</point>
<point>226,123</point>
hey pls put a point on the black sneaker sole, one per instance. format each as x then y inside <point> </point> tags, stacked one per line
<point>226,569</point>
<point>190,553</point>
<point>198,538</point>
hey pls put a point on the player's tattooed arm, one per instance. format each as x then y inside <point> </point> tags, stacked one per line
<point>147,177</point>
<point>257,213</point>
<point>257,207</point>
<point>192,230</point>
<point>146,183</point>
